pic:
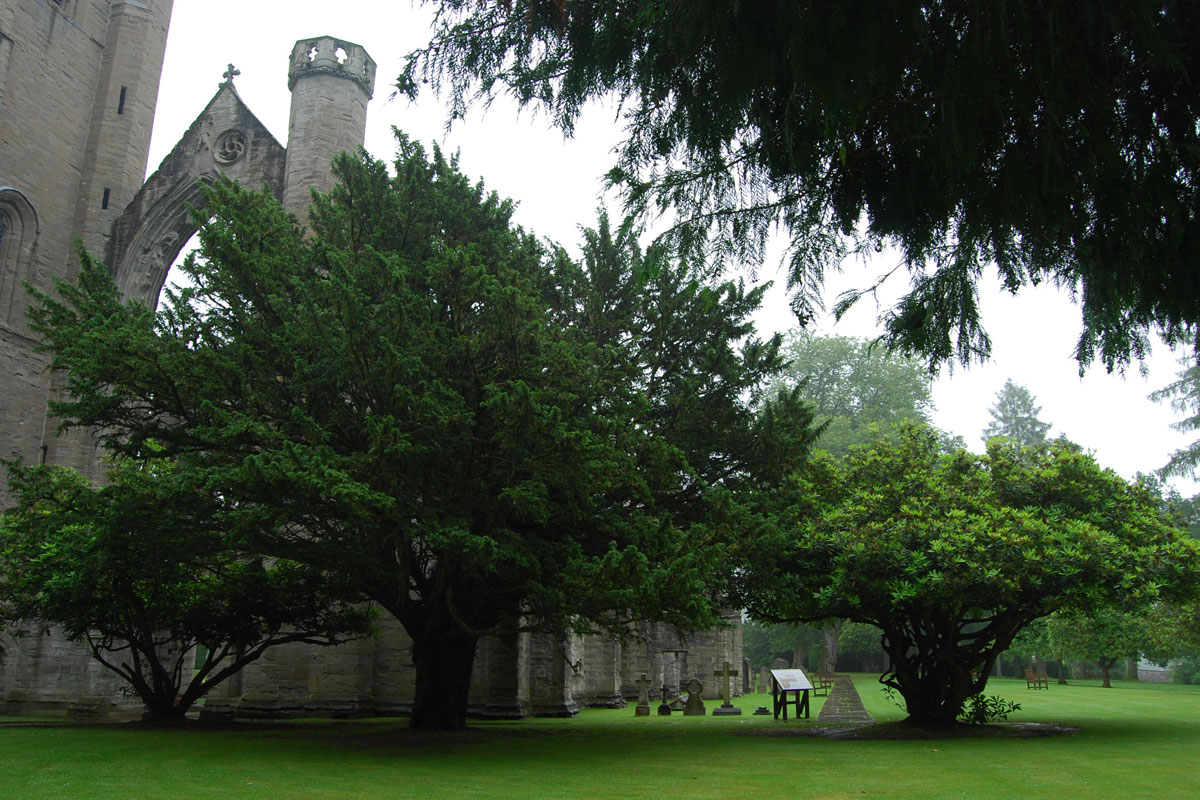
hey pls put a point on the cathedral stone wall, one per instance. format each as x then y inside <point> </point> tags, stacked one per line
<point>78,85</point>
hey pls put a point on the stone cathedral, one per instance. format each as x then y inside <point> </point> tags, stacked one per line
<point>78,86</point>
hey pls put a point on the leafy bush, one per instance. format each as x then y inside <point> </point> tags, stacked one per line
<point>980,709</point>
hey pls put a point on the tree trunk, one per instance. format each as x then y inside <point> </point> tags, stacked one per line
<point>934,689</point>
<point>937,702</point>
<point>443,655</point>
<point>1131,671</point>
<point>1062,672</point>
<point>829,648</point>
<point>163,708</point>
<point>1105,665</point>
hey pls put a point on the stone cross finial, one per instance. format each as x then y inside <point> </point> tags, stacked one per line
<point>230,74</point>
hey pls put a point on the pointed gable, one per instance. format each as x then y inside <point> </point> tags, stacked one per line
<point>225,139</point>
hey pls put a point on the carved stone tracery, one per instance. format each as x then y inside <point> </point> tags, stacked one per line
<point>231,146</point>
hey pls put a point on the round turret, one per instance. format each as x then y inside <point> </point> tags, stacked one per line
<point>331,81</point>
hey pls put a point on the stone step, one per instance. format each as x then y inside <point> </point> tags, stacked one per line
<point>843,703</point>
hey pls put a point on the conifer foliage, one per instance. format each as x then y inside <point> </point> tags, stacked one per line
<point>1015,415</point>
<point>480,434</point>
<point>1184,396</point>
<point>1057,141</point>
<point>149,572</point>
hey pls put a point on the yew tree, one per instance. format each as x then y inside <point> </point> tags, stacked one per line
<point>1055,141</point>
<point>480,433</point>
<point>952,555</point>
<point>152,574</point>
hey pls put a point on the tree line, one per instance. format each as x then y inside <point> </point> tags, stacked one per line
<point>419,408</point>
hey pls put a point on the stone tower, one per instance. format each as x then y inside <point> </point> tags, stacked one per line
<point>331,82</point>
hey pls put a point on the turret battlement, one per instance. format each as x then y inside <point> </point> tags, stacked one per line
<point>325,55</point>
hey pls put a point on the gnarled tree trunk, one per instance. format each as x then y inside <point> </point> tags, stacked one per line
<point>443,655</point>
<point>829,648</point>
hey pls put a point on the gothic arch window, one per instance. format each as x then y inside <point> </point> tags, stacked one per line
<point>18,235</point>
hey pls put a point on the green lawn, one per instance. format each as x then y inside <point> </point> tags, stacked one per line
<point>1136,737</point>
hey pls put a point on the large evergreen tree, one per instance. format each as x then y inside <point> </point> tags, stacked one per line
<point>1054,140</point>
<point>481,434</point>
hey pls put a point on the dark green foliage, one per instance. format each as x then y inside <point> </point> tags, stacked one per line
<point>951,555</point>
<point>1054,140</point>
<point>1105,636</point>
<point>1016,416</point>
<point>980,709</point>
<point>763,643</point>
<point>480,434</point>
<point>150,567</point>
<point>1186,669</point>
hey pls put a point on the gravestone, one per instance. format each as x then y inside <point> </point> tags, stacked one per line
<point>764,680</point>
<point>643,703</point>
<point>727,708</point>
<point>695,704</point>
<point>664,708</point>
<point>747,676</point>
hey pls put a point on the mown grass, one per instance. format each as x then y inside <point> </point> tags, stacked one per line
<point>1136,738</point>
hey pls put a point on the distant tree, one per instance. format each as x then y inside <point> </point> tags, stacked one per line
<point>1184,396</point>
<point>1015,415</point>
<point>1104,636</point>
<point>1056,141</point>
<point>763,643</point>
<point>1185,511</point>
<point>863,642</point>
<point>481,434</point>
<point>149,568</point>
<point>857,389</point>
<point>952,555</point>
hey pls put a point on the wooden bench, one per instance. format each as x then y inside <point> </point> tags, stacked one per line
<point>1036,681</point>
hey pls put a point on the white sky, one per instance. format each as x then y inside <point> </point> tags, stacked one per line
<point>557,182</point>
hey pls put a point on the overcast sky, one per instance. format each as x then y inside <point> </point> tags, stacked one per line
<point>556,183</point>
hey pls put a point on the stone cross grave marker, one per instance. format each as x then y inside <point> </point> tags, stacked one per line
<point>643,703</point>
<point>727,708</point>
<point>695,704</point>
<point>664,708</point>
